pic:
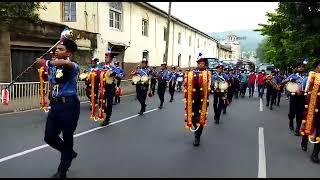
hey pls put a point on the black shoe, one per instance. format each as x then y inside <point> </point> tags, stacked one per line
<point>160,107</point>
<point>196,142</point>
<point>304,147</point>
<point>296,133</point>
<point>140,113</point>
<point>171,100</point>
<point>270,107</point>
<point>216,121</point>
<point>278,104</point>
<point>315,159</point>
<point>267,105</point>
<point>74,154</point>
<point>59,175</point>
<point>105,122</point>
<point>291,128</point>
<point>224,112</point>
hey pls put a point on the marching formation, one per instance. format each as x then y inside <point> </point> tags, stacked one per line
<point>103,90</point>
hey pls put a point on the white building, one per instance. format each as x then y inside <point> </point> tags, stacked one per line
<point>235,46</point>
<point>134,30</point>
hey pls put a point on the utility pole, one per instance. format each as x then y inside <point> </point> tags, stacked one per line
<point>167,33</point>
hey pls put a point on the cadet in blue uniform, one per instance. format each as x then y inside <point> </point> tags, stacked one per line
<point>153,79</point>
<point>172,82</point>
<point>163,77</point>
<point>218,97</point>
<point>142,88</point>
<point>110,89</point>
<point>65,105</point>
<point>119,76</point>
<point>297,101</point>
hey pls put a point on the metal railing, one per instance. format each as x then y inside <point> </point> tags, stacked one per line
<point>25,95</point>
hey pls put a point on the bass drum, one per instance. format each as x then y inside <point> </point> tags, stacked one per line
<point>293,87</point>
<point>135,79</point>
<point>145,79</point>
<point>223,86</point>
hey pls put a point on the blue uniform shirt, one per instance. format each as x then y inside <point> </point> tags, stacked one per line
<point>219,77</point>
<point>164,75</point>
<point>65,85</point>
<point>173,76</point>
<point>119,71</point>
<point>299,78</point>
<point>90,68</point>
<point>143,71</point>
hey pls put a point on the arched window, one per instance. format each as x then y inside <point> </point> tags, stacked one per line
<point>115,15</point>
<point>179,60</point>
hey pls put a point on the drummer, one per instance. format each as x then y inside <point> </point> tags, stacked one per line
<point>218,96</point>
<point>297,100</point>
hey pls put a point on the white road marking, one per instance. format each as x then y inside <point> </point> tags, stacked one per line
<point>38,109</point>
<point>76,135</point>
<point>261,105</point>
<point>262,156</point>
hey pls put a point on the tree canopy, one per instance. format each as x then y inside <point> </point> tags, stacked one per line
<point>11,12</point>
<point>292,35</point>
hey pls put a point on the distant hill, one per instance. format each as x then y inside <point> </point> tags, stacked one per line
<point>249,44</point>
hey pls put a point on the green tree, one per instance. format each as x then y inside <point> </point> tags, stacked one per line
<point>293,33</point>
<point>11,12</point>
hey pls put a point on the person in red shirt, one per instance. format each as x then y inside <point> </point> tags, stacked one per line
<point>251,82</point>
<point>261,83</point>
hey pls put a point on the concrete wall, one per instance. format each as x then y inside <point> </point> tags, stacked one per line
<point>5,57</point>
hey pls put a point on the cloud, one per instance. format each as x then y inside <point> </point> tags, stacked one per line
<point>220,16</point>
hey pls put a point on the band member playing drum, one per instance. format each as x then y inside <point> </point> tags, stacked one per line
<point>297,99</point>
<point>163,77</point>
<point>197,89</point>
<point>153,79</point>
<point>219,86</point>
<point>65,105</point>
<point>118,78</point>
<point>110,86</point>
<point>272,88</point>
<point>142,85</point>
<point>172,82</point>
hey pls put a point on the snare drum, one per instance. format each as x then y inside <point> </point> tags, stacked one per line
<point>136,79</point>
<point>144,79</point>
<point>293,88</point>
<point>221,86</point>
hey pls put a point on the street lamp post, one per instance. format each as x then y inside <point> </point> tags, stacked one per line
<point>167,33</point>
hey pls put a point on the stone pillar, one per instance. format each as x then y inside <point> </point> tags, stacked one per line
<point>5,57</point>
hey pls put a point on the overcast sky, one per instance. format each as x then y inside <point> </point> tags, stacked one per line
<point>220,16</point>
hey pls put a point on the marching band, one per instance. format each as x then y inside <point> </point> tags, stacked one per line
<point>103,85</point>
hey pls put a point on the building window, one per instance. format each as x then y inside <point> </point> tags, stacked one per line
<point>179,37</point>
<point>165,34</point>
<point>145,25</point>
<point>189,62</point>
<point>179,60</point>
<point>69,12</point>
<point>189,41</point>
<point>145,54</point>
<point>198,43</point>
<point>115,15</point>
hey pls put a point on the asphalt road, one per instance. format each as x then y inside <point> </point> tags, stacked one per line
<point>157,144</point>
